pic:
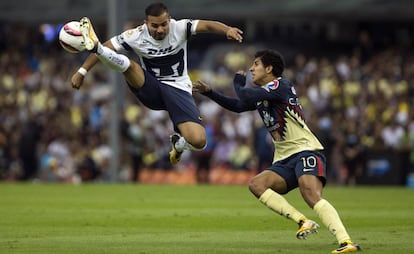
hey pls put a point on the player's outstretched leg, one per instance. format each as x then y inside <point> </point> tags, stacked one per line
<point>347,247</point>
<point>306,228</point>
<point>89,36</point>
<point>175,155</point>
<point>109,57</point>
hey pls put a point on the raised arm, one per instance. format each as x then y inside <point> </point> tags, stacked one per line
<point>250,95</point>
<point>216,27</point>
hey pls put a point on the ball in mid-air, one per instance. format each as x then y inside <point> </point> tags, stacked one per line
<point>70,37</point>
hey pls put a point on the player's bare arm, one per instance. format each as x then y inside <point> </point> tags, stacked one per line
<point>78,77</point>
<point>208,26</point>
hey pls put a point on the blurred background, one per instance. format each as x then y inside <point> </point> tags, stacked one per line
<point>352,63</point>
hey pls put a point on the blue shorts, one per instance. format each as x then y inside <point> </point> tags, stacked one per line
<point>303,163</point>
<point>179,104</point>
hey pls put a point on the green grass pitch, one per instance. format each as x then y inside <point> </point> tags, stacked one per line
<point>126,218</point>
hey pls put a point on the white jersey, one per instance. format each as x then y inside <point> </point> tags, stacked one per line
<point>165,59</point>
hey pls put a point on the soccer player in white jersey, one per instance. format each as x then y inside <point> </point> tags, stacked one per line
<point>161,82</point>
<point>298,161</point>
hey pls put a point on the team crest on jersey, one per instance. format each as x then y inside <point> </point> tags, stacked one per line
<point>129,32</point>
<point>274,85</point>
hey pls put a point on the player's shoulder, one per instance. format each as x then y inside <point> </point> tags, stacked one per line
<point>179,21</point>
<point>288,89</point>
<point>280,87</point>
<point>133,32</point>
<point>286,84</point>
<point>182,23</point>
<point>182,28</point>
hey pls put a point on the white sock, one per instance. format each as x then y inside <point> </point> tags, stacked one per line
<point>115,61</point>
<point>182,145</point>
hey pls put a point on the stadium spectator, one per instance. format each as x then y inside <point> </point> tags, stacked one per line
<point>203,158</point>
<point>392,134</point>
<point>353,152</point>
<point>28,148</point>
<point>263,147</point>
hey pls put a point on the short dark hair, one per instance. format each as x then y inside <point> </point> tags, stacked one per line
<point>273,58</point>
<point>155,9</point>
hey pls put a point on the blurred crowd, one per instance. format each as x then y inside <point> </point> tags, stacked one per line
<point>357,101</point>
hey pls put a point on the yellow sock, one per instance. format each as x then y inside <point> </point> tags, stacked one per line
<point>330,218</point>
<point>280,205</point>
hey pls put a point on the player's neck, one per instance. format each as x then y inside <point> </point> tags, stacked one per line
<point>271,79</point>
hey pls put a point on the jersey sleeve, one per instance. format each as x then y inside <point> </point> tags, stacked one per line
<point>186,27</point>
<point>229,103</point>
<point>252,95</point>
<point>123,40</point>
<point>194,26</point>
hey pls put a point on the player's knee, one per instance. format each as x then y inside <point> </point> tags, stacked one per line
<point>135,75</point>
<point>256,187</point>
<point>199,142</point>
<point>194,134</point>
<point>310,195</point>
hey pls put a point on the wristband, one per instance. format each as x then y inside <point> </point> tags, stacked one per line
<point>82,71</point>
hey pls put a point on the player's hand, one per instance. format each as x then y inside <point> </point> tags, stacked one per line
<point>240,78</point>
<point>201,87</point>
<point>241,73</point>
<point>234,34</point>
<point>77,80</point>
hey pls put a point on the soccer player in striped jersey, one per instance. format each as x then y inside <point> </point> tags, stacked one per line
<point>298,161</point>
<point>161,82</point>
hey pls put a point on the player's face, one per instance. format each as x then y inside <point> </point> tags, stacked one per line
<point>158,26</point>
<point>260,75</point>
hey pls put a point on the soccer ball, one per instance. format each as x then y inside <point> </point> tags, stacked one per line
<point>70,37</point>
